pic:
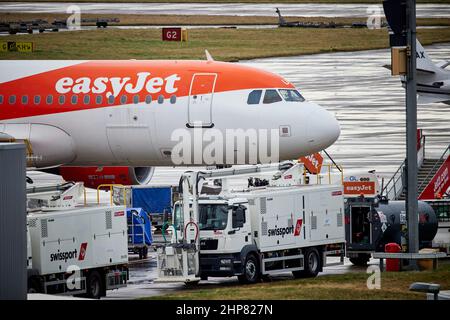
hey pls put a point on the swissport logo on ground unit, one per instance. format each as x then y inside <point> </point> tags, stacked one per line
<point>69,255</point>
<point>287,230</point>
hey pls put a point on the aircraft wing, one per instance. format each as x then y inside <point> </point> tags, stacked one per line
<point>430,98</point>
<point>426,71</point>
<point>423,70</point>
<point>443,64</point>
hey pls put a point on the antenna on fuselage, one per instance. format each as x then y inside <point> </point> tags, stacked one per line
<point>208,56</point>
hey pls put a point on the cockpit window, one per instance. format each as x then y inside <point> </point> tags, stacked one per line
<point>271,96</point>
<point>254,97</point>
<point>291,95</point>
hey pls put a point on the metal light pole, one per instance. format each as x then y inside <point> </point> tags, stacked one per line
<point>411,132</point>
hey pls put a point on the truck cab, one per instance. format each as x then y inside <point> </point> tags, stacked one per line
<point>224,229</point>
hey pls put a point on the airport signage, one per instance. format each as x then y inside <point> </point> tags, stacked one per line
<point>13,46</point>
<point>174,34</point>
<point>359,187</point>
<point>171,34</point>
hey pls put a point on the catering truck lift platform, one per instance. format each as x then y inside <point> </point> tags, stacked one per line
<point>73,249</point>
<point>255,232</point>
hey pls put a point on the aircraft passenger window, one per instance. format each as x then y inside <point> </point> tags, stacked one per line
<point>86,99</point>
<point>291,95</point>
<point>37,99</point>
<point>148,99</point>
<point>74,99</point>
<point>98,99</point>
<point>123,99</point>
<point>271,96</point>
<point>62,99</point>
<point>12,99</point>
<point>111,99</point>
<point>254,97</point>
<point>161,99</point>
<point>136,99</point>
<point>49,99</point>
<point>173,99</point>
<point>1,99</point>
<point>24,99</point>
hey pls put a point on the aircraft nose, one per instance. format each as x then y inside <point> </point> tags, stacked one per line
<point>323,129</point>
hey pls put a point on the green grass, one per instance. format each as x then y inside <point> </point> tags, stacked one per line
<point>394,285</point>
<point>223,44</point>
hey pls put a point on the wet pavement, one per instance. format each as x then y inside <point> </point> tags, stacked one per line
<point>143,274</point>
<point>239,9</point>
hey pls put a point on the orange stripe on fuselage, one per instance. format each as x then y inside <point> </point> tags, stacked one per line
<point>93,78</point>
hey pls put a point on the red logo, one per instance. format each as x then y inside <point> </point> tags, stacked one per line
<point>298,227</point>
<point>118,214</point>
<point>83,249</point>
<point>336,193</point>
<point>313,162</point>
<point>358,187</point>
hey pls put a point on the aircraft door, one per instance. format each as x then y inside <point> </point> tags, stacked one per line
<point>128,134</point>
<point>200,100</point>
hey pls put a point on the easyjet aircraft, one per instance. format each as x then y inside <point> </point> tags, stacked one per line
<point>117,117</point>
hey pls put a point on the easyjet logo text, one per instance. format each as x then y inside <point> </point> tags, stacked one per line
<point>115,85</point>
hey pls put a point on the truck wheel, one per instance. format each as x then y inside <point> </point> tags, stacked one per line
<point>94,285</point>
<point>360,260</point>
<point>312,264</point>
<point>251,270</point>
<point>145,252</point>
<point>34,285</point>
<point>141,253</point>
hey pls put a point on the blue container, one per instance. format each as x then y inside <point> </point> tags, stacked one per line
<point>139,227</point>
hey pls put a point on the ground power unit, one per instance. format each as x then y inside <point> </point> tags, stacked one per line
<point>78,252</point>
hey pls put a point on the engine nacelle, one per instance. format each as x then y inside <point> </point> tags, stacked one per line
<point>95,176</point>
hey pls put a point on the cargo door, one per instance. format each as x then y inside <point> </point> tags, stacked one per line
<point>128,134</point>
<point>200,100</point>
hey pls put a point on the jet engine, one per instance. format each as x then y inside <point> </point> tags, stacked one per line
<point>95,176</point>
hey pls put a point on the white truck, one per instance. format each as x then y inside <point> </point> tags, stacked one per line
<point>78,251</point>
<point>253,232</point>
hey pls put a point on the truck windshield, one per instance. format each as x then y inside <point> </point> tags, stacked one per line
<point>178,217</point>
<point>213,216</point>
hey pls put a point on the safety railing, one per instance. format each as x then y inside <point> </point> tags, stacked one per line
<point>328,175</point>
<point>110,186</point>
<point>394,187</point>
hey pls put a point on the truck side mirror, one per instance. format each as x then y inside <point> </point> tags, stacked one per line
<point>238,217</point>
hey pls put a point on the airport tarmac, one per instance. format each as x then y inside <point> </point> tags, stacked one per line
<point>239,9</point>
<point>143,274</point>
<point>144,27</point>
